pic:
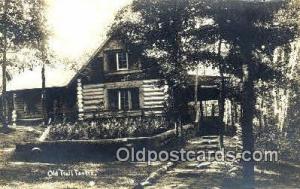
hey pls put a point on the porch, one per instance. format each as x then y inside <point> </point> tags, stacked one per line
<point>31,107</point>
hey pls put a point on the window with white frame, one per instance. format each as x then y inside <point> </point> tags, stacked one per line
<point>122,60</point>
<point>123,99</point>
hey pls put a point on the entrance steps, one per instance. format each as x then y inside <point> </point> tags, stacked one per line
<point>205,143</point>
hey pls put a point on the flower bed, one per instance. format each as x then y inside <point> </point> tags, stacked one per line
<point>66,151</point>
<point>109,128</point>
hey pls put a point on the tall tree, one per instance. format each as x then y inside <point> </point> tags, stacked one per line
<point>11,35</point>
<point>253,31</point>
<point>159,31</point>
<point>19,27</point>
<point>4,34</point>
<point>39,33</point>
<point>175,36</point>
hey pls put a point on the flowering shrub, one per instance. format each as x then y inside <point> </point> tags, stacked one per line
<point>109,128</point>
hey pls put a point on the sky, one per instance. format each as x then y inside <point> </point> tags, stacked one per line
<point>79,26</point>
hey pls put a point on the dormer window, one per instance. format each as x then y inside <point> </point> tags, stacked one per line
<point>122,60</point>
<point>118,61</point>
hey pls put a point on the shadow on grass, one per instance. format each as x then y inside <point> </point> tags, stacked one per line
<point>104,172</point>
<point>92,153</point>
<point>287,177</point>
<point>6,130</point>
<point>66,156</point>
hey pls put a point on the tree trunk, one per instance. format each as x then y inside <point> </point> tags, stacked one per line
<point>4,107</point>
<point>201,111</point>
<point>236,115</point>
<point>196,100</point>
<point>248,109</point>
<point>44,97</point>
<point>222,88</point>
<point>232,113</point>
<point>4,62</point>
<point>222,95</point>
<point>260,116</point>
<point>42,47</point>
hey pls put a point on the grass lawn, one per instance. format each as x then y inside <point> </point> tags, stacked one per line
<point>278,175</point>
<point>10,136</point>
<point>99,175</point>
<point>85,175</point>
<point>112,174</point>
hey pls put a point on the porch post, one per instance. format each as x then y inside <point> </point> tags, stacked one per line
<point>14,112</point>
<point>196,100</point>
<point>80,100</point>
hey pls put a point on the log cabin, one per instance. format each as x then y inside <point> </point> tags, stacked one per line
<point>112,83</point>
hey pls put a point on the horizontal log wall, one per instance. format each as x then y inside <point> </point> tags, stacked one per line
<point>20,107</point>
<point>93,99</point>
<point>154,96</point>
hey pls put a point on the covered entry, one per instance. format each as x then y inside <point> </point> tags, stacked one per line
<point>205,100</point>
<point>208,111</point>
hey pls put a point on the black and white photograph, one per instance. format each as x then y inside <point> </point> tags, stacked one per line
<point>149,94</point>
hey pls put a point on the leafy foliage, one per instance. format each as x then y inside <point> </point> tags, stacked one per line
<point>285,143</point>
<point>294,110</point>
<point>178,34</point>
<point>109,128</point>
<point>158,31</point>
<point>22,22</point>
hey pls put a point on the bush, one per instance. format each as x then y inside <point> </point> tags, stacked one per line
<point>286,143</point>
<point>110,128</point>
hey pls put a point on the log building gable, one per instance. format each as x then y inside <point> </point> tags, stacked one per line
<point>112,62</point>
<point>123,89</point>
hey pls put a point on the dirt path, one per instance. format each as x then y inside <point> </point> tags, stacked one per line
<point>214,175</point>
<point>196,174</point>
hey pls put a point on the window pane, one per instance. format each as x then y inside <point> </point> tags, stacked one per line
<point>124,100</point>
<point>111,58</point>
<point>122,60</point>
<point>113,99</point>
<point>135,100</point>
